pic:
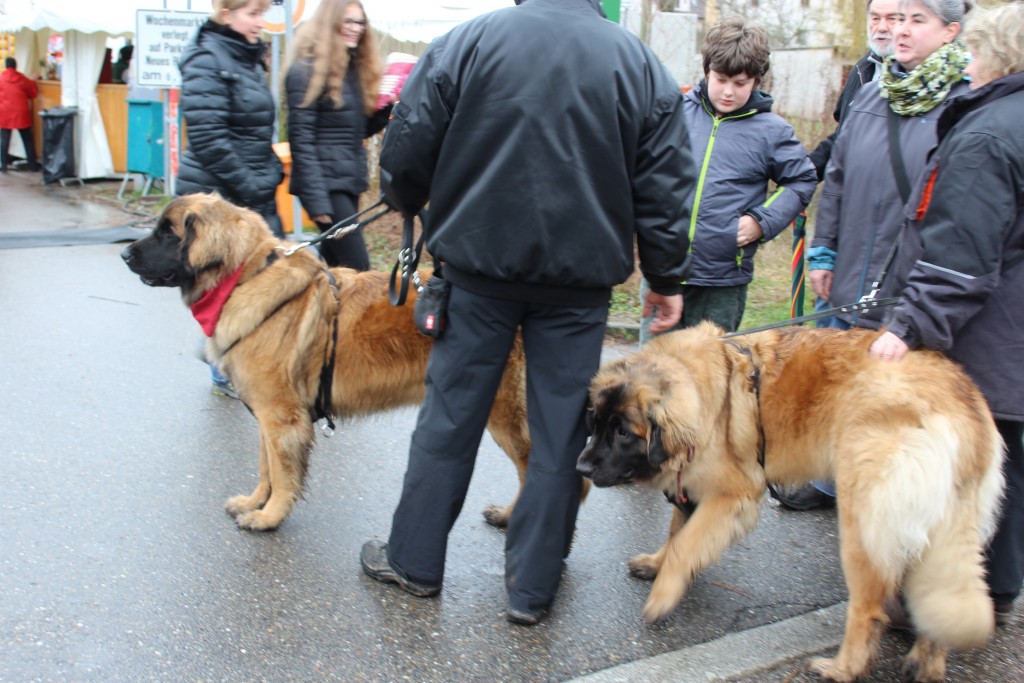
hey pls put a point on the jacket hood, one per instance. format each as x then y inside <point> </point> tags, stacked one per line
<point>760,102</point>
<point>233,42</point>
<point>968,102</point>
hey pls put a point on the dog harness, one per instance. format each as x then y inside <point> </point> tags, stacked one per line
<point>322,405</point>
<point>211,310</point>
<point>680,498</point>
<point>755,378</point>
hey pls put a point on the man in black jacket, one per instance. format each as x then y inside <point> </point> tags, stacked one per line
<point>547,140</point>
<point>882,16</point>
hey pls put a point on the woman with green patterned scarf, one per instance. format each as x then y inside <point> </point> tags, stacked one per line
<point>862,202</point>
<point>861,207</point>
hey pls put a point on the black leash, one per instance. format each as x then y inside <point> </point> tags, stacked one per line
<point>342,227</point>
<point>849,308</point>
<point>408,260</point>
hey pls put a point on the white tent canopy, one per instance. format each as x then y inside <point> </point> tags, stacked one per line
<point>115,17</point>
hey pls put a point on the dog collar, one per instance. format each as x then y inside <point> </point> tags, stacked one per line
<point>208,309</point>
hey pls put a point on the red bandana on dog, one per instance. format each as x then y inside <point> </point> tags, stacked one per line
<point>207,310</point>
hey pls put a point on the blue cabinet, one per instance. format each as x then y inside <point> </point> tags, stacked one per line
<point>146,138</point>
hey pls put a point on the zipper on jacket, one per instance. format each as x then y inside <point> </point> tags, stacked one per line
<point>704,171</point>
<point>775,195</point>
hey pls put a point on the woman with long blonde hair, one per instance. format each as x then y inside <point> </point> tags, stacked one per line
<point>332,81</point>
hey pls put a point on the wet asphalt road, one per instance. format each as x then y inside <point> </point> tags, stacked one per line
<point>118,562</point>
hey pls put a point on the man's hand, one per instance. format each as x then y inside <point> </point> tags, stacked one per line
<point>889,347</point>
<point>749,230</point>
<point>667,309</point>
<point>821,283</point>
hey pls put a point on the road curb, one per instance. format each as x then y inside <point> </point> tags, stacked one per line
<point>737,654</point>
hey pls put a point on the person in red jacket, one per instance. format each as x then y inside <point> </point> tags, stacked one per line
<point>15,113</point>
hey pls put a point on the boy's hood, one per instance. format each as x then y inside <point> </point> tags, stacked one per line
<point>760,102</point>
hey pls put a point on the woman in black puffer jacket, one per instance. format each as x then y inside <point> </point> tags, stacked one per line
<point>332,83</point>
<point>229,114</point>
<point>229,111</point>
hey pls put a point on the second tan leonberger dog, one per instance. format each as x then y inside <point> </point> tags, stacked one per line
<point>285,316</point>
<point>911,446</point>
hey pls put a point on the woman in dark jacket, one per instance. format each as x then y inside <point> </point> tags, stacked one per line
<point>861,205</point>
<point>861,202</point>
<point>960,268</point>
<point>229,111</point>
<point>229,115</point>
<point>332,84</point>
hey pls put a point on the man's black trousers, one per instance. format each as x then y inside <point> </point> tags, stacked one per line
<point>563,352</point>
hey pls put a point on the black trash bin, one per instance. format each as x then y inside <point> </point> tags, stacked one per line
<point>58,143</point>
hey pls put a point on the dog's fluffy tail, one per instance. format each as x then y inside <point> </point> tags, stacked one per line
<point>928,516</point>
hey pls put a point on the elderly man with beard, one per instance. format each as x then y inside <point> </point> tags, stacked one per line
<point>882,15</point>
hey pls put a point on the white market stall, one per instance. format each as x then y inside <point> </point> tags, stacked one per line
<point>85,28</point>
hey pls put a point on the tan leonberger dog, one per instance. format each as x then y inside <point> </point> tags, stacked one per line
<point>280,323</point>
<point>911,445</point>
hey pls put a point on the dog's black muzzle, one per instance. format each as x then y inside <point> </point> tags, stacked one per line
<point>156,264</point>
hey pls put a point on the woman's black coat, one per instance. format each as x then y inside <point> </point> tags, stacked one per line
<point>327,141</point>
<point>229,115</point>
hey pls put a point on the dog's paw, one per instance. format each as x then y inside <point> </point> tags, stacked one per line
<point>258,520</point>
<point>924,663</point>
<point>826,668</point>
<point>656,610</point>
<point>497,515</point>
<point>239,505</point>
<point>643,567</point>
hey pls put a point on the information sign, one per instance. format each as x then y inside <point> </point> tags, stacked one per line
<point>160,37</point>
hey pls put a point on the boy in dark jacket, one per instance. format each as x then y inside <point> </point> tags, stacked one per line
<point>741,146</point>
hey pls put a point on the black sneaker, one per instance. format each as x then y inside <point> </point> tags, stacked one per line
<point>376,565</point>
<point>806,497</point>
<point>524,617</point>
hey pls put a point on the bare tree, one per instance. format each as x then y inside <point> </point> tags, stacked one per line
<point>787,22</point>
<point>648,10</point>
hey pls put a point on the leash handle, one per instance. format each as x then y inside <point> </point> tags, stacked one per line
<point>848,308</point>
<point>408,260</point>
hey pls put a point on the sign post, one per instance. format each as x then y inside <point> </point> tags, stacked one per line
<point>160,38</point>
